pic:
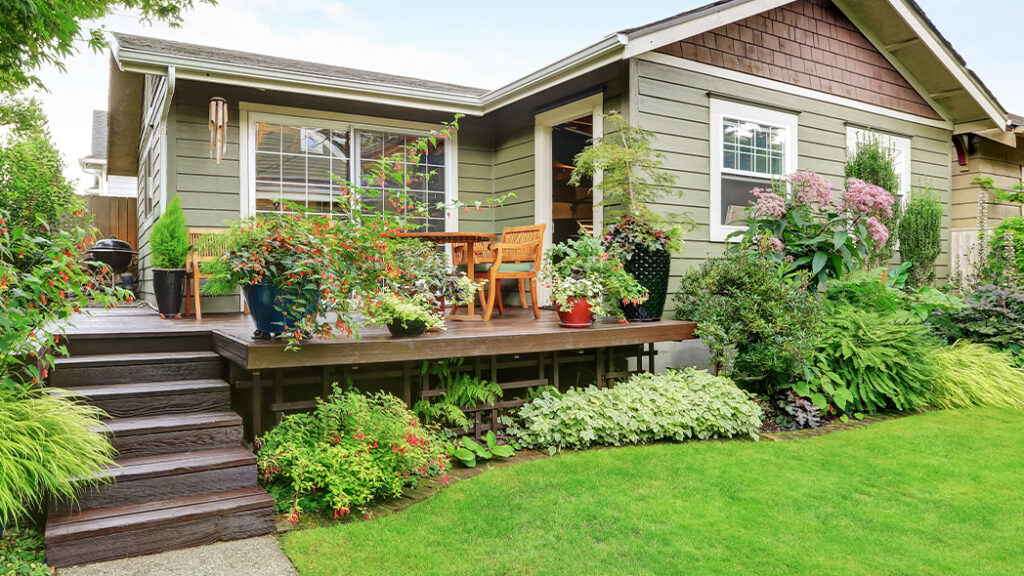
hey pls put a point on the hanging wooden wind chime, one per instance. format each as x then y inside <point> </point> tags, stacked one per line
<point>218,127</point>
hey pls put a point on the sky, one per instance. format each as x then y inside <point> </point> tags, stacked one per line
<point>478,43</point>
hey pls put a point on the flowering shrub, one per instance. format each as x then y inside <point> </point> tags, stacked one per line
<point>582,269</point>
<point>676,405</point>
<point>352,449</point>
<point>807,227</point>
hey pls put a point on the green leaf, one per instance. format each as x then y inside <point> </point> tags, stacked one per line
<point>465,456</point>
<point>490,440</point>
<point>819,401</point>
<point>858,415</point>
<point>844,418</point>
<point>818,262</point>
<point>504,451</point>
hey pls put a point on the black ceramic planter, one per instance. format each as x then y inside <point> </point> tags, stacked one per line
<point>409,330</point>
<point>650,269</point>
<point>168,286</point>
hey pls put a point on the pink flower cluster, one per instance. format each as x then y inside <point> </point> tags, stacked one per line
<point>811,189</point>
<point>867,199</point>
<point>768,204</point>
<point>877,231</point>
<point>771,243</point>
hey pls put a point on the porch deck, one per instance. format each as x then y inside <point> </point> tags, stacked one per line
<point>515,333</point>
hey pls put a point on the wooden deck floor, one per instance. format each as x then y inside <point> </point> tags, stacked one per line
<point>515,333</point>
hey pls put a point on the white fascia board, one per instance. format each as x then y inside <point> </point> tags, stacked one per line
<point>698,25</point>
<point>590,58</point>
<point>290,81</point>
<point>939,48</point>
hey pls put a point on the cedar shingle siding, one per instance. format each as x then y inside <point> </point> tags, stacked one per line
<point>808,43</point>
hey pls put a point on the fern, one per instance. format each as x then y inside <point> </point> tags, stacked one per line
<point>461,391</point>
<point>883,360</point>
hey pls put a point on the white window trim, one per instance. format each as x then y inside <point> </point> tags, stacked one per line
<point>727,108</point>
<point>902,144</point>
<point>251,113</point>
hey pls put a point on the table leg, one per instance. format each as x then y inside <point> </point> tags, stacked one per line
<point>471,274</point>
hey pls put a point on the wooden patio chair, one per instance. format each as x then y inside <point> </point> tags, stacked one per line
<point>209,249</point>
<point>517,256</point>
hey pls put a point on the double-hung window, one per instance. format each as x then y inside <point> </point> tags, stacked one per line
<point>750,147</point>
<point>302,161</point>
<point>898,145</point>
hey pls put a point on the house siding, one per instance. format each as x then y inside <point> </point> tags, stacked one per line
<point>674,104</point>
<point>150,181</point>
<point>986,159</point>
<point>808,43</point>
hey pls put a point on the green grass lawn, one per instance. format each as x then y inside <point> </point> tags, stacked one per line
<point>938,493</point>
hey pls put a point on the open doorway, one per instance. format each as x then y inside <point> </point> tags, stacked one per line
<point>572,207</point>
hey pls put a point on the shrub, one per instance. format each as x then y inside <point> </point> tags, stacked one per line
<point>972,374</point>
<point>874,163</point>
<point>1006,250</point>
<point>169,238</point>
<point>352,449</point>
<point>873,360</point>
<point>759,322</point>
<point>799,221</point>
<point>47,440</point>
<point>675,405</point>
<point>921,237</point>
<point>873,290</point>
<point>32,182</point>
<point>21,554</point>
<point>991,315</point>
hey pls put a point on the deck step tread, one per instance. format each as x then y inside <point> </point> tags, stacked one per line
<point>102,521</point>
<point>128,469</point>
<point>99,360</point>
<point>132,390</point>
<point>121,427</point>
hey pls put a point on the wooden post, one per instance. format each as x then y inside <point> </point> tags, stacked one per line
<point>554,371</point>
<point>600,367</point>
<point>257,404</point>
<point>407,383</point>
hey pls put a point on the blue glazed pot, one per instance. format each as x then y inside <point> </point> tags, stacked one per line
<point>264,299</point>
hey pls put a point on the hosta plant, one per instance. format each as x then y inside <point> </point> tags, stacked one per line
<point>352,449</point>
<point>470,452</point>
<point>675,405</point>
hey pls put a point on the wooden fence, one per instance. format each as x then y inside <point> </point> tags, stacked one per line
<point>115,216</point>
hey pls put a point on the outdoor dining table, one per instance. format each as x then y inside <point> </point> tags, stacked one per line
<point>469,240</point>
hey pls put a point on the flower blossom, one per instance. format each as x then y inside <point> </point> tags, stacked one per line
<point>812,189</point>
<point>868,199</point>
<point>877,231</point>
<point>768,204</point>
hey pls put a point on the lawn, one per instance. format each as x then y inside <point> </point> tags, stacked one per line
<point>938,493</point>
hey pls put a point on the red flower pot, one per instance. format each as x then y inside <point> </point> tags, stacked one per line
<point>579,316</point>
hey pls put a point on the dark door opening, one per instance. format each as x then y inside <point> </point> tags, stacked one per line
<point>572,207</point>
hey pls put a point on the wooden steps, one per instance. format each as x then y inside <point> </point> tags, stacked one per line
<point>157,398</point>
<point>182,476</point>
<point>132,530</point>
<point>137,367</point>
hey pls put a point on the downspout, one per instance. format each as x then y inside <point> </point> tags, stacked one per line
<point>163,137</point>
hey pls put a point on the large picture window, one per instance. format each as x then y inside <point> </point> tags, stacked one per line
<point>300,161</point>
<point>750,147</point>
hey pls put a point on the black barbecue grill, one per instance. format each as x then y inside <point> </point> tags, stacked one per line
<point>116,254</point>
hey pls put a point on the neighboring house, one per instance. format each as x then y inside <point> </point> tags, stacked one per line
<point>738,92</point>
<point>998,155</point>
<point>95,164</point>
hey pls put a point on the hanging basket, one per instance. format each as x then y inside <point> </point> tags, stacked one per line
<point>651,270</point>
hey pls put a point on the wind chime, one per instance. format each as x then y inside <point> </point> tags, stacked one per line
<point>218,127</point>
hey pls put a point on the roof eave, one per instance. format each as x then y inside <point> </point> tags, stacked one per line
<point>147,62</point>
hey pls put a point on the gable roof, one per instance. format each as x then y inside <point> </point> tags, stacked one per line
<point>183,52</point>
<point>898,28</point>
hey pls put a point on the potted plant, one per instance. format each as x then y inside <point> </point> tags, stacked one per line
<point>632,180</point>
<point>421,267</point>
<point>169,244</point>
<point>404,315</point>
<point>586,281</point>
